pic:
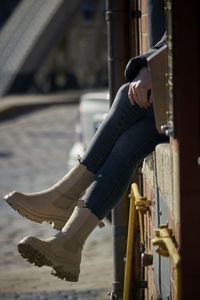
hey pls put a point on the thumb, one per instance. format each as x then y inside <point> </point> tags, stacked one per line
<point>150,99</point>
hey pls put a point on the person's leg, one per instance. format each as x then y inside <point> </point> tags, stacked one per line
<point>63,251</point>
<point>114,177</point>
<point>57,203</point>
<point>121,116</point>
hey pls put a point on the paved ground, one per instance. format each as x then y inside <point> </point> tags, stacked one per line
<point>34,150</point>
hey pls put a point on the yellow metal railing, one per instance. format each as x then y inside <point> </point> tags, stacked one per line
<point>130,245</point>
<point>140,203</point>
<point>163,239</point>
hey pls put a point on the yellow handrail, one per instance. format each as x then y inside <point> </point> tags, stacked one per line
<point>163,239</point>
<point>141,204</point>
<point>129,249</point>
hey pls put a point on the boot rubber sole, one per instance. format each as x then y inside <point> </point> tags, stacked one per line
<point>57,223</point>
<point>61,269</point>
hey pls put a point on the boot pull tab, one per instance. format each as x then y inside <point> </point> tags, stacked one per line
<point>80,202</point>
<point>101,224</point>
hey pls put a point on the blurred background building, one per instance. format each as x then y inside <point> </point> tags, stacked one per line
<point>49,46</point>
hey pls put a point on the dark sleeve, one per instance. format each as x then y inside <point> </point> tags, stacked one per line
<point>137,63</point>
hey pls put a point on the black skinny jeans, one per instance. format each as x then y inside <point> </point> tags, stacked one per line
<point>126,136</point>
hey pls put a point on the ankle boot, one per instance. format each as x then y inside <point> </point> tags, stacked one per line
<point>55,204</point>
<point>63,251</point>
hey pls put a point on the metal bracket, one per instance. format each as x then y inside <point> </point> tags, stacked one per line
<point>142,206</point>
<point>164,240</point>
<point>161,264</point>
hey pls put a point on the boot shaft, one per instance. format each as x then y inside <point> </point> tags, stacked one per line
<point>81,223</point>
<point>76,181</point>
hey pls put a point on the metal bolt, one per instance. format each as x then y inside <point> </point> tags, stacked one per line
<point>198,160</point>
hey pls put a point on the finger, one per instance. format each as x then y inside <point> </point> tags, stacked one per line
<point>130,95</point>
<point>140,98</point>
<point>146,97</point>
<point>150,99</point>
<point>143,95</point>
<point>147,103</point>
<point>137,96</point>
<point>148,94</point>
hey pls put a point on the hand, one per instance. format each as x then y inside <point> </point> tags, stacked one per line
<point>138,89</point>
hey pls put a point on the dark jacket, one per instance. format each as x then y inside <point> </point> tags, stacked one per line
<point>135,64</point>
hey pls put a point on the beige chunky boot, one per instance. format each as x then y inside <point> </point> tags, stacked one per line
<point>63,251</point>
<point>55,204</point>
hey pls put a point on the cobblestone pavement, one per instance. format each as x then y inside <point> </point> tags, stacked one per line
<point>60,295</point>
<point>34,150</point>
